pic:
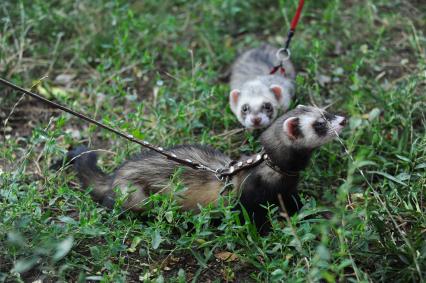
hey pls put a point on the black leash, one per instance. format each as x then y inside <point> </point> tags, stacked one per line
<point>222,174</point>
<point>129,137</point>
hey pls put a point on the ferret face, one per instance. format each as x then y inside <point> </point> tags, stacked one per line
<point>311,127</point>
<point>256,105</point>
<point>257,113</point>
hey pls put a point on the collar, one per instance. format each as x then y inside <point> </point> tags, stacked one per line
<point>277,169</point>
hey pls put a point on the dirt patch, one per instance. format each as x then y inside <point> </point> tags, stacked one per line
<point>19,116</point>
<point>216,269</point>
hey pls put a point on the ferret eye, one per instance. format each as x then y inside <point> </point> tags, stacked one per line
<point>245,108</point>
<point>320,127</point>
<point>267,106</point>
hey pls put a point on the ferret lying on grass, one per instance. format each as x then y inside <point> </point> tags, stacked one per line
<point>288,142</point>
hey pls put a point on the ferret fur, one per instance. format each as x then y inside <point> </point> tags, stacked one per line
<point>252,85</point>
<point>289,143</point>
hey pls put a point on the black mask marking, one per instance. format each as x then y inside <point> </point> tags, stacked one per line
<point>320,128</point>
<point>267,109</point>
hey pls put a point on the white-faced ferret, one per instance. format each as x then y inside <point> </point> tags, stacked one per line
<point>288,142</point>
<point>257,96</point>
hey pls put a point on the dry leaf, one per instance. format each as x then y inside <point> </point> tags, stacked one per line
<point>226,256</point>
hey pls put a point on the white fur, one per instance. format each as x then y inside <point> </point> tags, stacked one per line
<point>336,125</point>
<point>264,122</point>
<point>255,94</point>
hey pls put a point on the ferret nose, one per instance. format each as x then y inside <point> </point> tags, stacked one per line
<point>343,121</point>
<point>256,120</point>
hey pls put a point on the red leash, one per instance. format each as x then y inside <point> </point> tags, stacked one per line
<point>297,15</point>
<point>290,34</point>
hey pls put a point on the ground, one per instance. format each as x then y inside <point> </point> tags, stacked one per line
<point>159,70</point>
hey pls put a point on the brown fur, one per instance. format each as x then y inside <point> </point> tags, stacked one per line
<point>151,173</point>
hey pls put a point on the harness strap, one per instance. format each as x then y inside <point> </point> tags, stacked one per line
<point>241,165</point>
<point>276,68</point>
<point>277,169</point>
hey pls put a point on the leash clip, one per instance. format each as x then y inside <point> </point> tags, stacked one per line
<point>283,54</point>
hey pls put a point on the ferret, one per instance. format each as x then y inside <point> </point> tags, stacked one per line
<point>288,142</point>
<point>257,96</point>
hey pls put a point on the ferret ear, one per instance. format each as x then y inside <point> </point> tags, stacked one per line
<point>277,91</point>
<point>234,95</point>
<point>291,127</point>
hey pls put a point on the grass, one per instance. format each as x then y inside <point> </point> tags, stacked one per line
<point>158,70</point>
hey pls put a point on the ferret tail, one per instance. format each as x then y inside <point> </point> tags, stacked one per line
<point>91,176</point>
